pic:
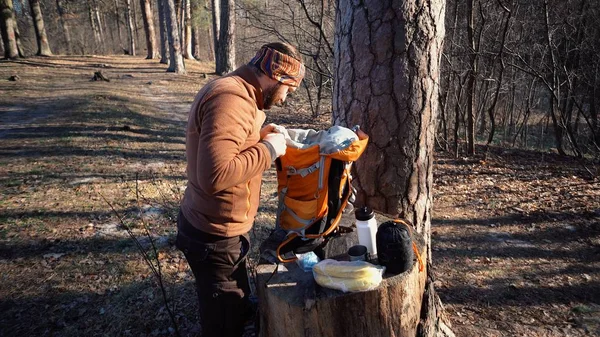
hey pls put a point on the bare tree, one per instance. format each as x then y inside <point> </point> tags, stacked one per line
<point>162,28</point>
<point>176,64</point>
<point>148,17</point>
<point>40,30</point>
<point>117,16</point>
<point>130,28</point>
<point>101,32</point>
<point>94,24</point>
<point>225,49</point>
<point>216,24</point>
<point>7,24</point>
<point>186,30</point>
<point>307,24</point>
<point>470,90</point>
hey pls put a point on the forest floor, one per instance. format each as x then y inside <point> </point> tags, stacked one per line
<point>86,164</point>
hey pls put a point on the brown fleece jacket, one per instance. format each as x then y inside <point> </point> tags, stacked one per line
<point>225,158</point>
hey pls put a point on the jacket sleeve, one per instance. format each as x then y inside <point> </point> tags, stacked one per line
<point>227,121</point>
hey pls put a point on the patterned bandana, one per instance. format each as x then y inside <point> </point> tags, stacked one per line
<point>278,66</point>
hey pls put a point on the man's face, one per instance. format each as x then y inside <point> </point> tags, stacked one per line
<point>276,95</point>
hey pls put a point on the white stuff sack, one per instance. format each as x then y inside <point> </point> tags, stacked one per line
<point>348,276</point>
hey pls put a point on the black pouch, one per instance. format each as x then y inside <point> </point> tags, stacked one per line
<point>395,247</point>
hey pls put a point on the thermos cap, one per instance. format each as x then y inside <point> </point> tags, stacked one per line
<point>364,213</point>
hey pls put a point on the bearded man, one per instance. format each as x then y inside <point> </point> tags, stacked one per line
<point>227,151</point>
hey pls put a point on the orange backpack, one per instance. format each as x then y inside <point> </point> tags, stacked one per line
<point>314,185</point>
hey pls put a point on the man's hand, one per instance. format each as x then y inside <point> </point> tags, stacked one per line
<point>269,128</point>
<point>277,144</point>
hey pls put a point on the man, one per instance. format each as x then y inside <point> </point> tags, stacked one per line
<point>227,152</point>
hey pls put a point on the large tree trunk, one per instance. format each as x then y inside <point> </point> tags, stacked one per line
<point>130,29</point>
<point>148,18</point>
<point>65,25</point>
<point>175,60</point>
<point>40,30</point>
<point>162,28</point>
<point>7,26</point>
<point>386,65</point>
<point>225,58</point>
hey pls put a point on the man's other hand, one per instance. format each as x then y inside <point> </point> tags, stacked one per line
<point>277,142</point>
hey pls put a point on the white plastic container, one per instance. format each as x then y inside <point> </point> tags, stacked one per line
<point>366,226</point>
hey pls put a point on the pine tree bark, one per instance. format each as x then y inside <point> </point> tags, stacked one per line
<point>40,30</point>
<point>148,17</point>
<point>162,28</point>
<point>176,64</point>
<point>7,27</point>
<point>130,29</point>
<point>387,77</point>
<point>226,47</point>
<point>65,25</point>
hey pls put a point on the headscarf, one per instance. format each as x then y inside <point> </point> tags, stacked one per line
<point>279,66</point>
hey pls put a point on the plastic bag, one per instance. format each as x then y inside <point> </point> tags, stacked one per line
<point>307,261</point>
<point>348,276</point>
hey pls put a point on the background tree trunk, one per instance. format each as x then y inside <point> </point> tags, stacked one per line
<point>148,17</point>
<point>101,32</point>
<point>175,60</point>
<point>15,21</point>
<point>162,28</point>
<point>196,42</point>
<point>65,25</point>
<point>216,28</point>
<point>226,46</point>
<point>470,91</point>
<point>94,26</point>
<point>187,30</point>
<point>130,29</point>
<point>118,20</point>
<point>40,30</point>
<point>136,28</point>
<point>7,25</point>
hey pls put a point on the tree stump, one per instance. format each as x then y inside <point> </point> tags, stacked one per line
<point>291,303</point>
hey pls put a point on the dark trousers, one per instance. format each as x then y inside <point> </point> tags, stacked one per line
<point>219,266</point>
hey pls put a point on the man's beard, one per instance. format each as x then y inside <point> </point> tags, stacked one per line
<point>269,96</point>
